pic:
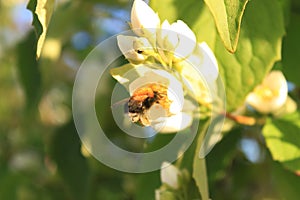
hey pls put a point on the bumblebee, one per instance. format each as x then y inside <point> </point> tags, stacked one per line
<point>142,99</point>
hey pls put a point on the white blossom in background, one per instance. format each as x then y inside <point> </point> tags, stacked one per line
<point>169,175</point>
<point>270,95</point>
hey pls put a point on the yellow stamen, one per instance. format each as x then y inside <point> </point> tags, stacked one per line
<point>265,92</point>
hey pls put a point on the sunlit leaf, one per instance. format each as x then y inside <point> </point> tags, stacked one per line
<point>228,17</point>
<point>282,138</point>
<point>258,48</point>
<point>42,11</point>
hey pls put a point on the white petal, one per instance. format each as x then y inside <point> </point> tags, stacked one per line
<point>275,80</point>
<point>177,38</point>
<point>176,104</point>
<point>125,44</point>
<point>188,106</point>
<point>142,16</point>
<point>169,175</point>
<point>172,124</point>
<point>164,30</point>
<point>200,71</point>
<point>148,78</point>
<point>260,104</point>
<point>186,37</point>
<point>142,44</point>
<point>205,61</point>
<point>167,38</point>
<point>156,113</point>
<point>183,29</point>
<point>209,64</point>
<point>175,91</point>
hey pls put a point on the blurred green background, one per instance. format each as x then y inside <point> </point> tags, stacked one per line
<point>40,153</point>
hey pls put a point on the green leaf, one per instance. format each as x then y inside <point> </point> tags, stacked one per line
<point>8,184</point>
<point>286,182</point>
<point>148,182</point>
<point>282,138</point>
<point>199,167</point>
<point>225,149</point>
<point>29,72</point>
<point>71,165</point>
<point>291,50</point>
<point>258,48</point>
<point>42,11</point>
<point>228,17</point>
<point>35,22</point>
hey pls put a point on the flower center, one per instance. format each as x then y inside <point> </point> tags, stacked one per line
<point>144,98</point>
<point>265,92</point>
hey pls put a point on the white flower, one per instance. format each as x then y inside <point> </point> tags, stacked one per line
<point>170,124</point>
<point>177,38</point>
<point>143,18</point>
<point>271,95</point>
<point>157,100</point>
<point>169,175</point>
<point>200,70</point>
<point>134,48</point>
<point>204,59</point>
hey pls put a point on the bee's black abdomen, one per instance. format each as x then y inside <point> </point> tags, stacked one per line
<point>148,102</point>
<point>135,106</point>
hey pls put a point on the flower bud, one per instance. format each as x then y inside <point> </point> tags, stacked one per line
<point>169,175</point>
<point>165,195</point>
<point>271,95</point>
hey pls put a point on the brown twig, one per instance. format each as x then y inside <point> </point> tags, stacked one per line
<point>245,120</point>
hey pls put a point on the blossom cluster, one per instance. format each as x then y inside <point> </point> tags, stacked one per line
<point>169,73</point>
<point>171,64</point>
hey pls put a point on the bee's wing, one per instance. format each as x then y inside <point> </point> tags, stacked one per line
<point>123,102</point>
